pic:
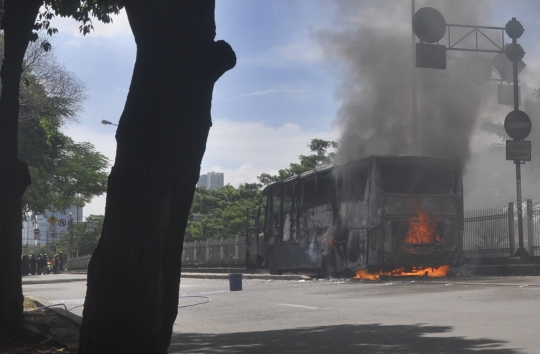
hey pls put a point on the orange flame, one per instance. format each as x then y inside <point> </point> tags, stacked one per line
<point>441,271</point>
<point>422,229</point>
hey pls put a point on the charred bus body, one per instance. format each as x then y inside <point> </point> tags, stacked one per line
<point>379,213</point>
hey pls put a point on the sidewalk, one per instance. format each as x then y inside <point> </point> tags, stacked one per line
<point>493,279</point>
<point>69,277</point>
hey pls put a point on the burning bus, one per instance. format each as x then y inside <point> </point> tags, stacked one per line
<point>379,215</point>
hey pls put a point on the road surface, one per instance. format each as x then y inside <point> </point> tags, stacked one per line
<point>457,315</point>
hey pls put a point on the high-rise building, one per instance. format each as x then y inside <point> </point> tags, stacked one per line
<point>211,180</point>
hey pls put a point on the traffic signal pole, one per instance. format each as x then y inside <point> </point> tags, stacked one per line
<point>515,53</point>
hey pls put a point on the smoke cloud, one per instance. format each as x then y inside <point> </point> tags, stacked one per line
<point>374,48</point>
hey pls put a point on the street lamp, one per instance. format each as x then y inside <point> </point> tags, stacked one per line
<point>106,122</point>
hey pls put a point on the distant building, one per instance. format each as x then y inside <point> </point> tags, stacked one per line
<point>49,232</point>
<point>211,180</point>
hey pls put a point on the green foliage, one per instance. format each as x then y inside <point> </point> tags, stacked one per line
<point>223,211</point>
<point>79,10</point>
<point>63,172</point>
<point>320,156</point>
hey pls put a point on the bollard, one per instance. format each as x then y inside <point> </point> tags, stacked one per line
<point>235,282</point>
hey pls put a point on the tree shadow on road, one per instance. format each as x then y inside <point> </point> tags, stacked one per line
<point>370,338</point>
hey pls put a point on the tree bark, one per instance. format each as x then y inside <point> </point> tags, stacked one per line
<point>14,177</point>
<point>134,275</point>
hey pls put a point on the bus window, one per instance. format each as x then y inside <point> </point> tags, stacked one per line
<point>358,177</point>
<point>326,188</point>
<point>276,200</point>
<point>308,192</point>
<point>288,197</point>
<point>417,178</point>
<point>262,214</point>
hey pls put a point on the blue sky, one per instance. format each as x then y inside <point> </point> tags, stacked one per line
<point>283,91</point>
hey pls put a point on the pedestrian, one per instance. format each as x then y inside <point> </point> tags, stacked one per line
<point>39,264</point>
<point>60,262</point>
<point>53,264</point>
<point>33,265</point>
<point>26,265</point>
<point>46,265</point>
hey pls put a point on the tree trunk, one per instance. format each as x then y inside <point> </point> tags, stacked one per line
<point>14,177</point>
<point>134,275</point>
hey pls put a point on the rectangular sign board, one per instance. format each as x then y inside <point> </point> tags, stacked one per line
<point>518,150</point>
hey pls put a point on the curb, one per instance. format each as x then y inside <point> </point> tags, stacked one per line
<point>61,311</point>
<point>52,281</point>
<point>245,276</point>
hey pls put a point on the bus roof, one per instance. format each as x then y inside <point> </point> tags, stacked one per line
<point>367,160</point>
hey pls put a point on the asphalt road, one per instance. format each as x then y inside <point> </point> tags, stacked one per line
<point>458,315</point>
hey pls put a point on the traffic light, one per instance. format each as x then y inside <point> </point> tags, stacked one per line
<point>430,27</point>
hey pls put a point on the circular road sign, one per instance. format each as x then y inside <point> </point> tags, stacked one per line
<point>62,222</point>
<point>517,125</point>
<point>36,231</point>
<point>429,25</point>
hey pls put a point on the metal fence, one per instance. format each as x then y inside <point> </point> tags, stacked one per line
<point>228,251</point>
<point>79,263</point>
<point>486,233</point>
<point>533,227</point>
<point>494,232</point>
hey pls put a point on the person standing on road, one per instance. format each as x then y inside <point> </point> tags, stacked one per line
<point>53,264</point>
<point>46,265</point>
<point>33,265</point>
<point>39,264</point>
<point>60,262</point>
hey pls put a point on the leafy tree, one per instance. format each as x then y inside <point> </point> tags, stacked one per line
<point>223,211</point>
<point>63,172</point>
<point>161,139</point>
<point>320,155</point>
<point>20,24</point>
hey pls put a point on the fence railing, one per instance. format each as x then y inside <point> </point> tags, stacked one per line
<point>230,251</point>
<point>79,263</point>
<point>494,232</point>
<point>488,233</point>
<point>533,227</point>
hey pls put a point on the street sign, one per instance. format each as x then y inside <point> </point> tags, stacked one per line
<point>518,150</point>
<point>52,220</point>
<point>36,232</point>
<point>517,125</point>
<point>62,222</point>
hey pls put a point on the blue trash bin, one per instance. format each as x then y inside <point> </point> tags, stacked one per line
<point>235,282</point>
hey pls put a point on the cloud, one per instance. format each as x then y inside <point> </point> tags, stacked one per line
<point>241,150</point>
<point>299,51</point>
<point>245,150</point>
<point>257,93</point>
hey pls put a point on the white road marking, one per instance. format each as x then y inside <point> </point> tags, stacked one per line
<point>305,307</point>
<point>203,293</point>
